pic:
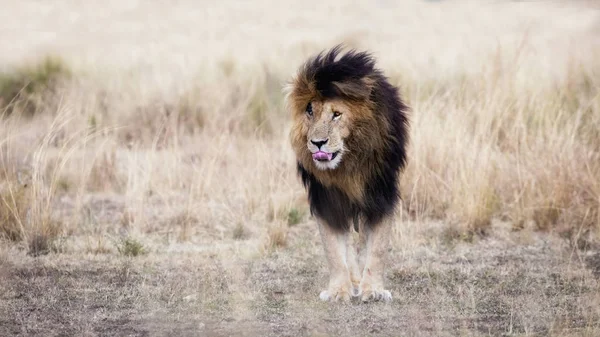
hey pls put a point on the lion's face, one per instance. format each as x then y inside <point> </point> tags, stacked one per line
<point>338,129</point>
<point>328,134</point>
<point>327,125</point>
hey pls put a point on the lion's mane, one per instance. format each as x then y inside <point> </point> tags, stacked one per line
<point>365,185</point>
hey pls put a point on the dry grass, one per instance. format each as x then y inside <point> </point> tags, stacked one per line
<point>531,156</point>
<point>25,213</point>
<point>174,144</point>
<point>13,211</point>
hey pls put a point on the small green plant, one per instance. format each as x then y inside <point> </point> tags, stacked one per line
<point>294,216</point>
<point>92,122</point>
<point>131,247</point>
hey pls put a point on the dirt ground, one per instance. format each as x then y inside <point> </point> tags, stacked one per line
<point>495,287</point>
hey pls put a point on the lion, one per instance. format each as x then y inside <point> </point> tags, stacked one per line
<point>349,134</point>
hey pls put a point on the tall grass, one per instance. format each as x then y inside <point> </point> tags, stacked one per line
<point>526,153</point>
<point>502,130</point>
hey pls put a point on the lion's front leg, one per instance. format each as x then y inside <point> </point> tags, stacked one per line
<point>377,241</point>
<point>352,259</point>
<point>335,245</point>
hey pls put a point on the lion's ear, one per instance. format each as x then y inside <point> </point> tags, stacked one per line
<point>358,89</point>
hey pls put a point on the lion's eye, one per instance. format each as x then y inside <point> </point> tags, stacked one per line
<point>309,109</point>
<point>336,114</point>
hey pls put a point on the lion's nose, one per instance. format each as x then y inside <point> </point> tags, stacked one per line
<point>319,143</point>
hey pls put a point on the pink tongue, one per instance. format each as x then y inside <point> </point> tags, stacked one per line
<point>320,155</point>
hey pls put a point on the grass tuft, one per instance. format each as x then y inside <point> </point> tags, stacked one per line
<point>45,241</point>
<point>131,247</point>
<point>239,232</point>
<point>22,220</point>
<point>276,238</point>
<point>294,216</point>
<point>23,89</point>
<point>14,203</point>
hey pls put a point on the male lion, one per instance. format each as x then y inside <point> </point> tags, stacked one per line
<point>349,135</point>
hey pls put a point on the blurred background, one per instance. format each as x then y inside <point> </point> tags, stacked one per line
<point>144,151</point>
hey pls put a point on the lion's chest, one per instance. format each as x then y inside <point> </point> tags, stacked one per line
<point>349,184</point>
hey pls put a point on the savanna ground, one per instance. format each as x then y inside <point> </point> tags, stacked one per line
<point>147,187</point>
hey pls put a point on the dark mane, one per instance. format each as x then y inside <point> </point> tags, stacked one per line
<point>354,77</point>
<point>327,71</point>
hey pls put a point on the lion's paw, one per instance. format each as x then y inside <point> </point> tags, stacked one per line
<point>376,295</point>
<point>334,296</point>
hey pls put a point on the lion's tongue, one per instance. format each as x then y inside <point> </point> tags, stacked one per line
<point>320,155</point>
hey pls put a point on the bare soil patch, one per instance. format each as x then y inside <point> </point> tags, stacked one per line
<point>488,288</point>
